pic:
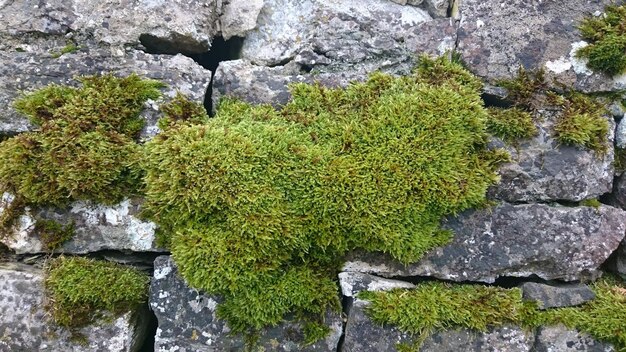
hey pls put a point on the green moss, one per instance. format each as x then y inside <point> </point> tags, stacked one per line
<point>261,204</point>
<point>181,110</point>
<point>527,89</point>
<point>52,234</point>
<point>85,147</point>
<point>511,124</point>
<point>314,331</point>
<point>12,208</point>
<point>582,122</point>
<point>606,35</point>
<point>80,291</point>
<point>594,203</point>
<point>69,48</point>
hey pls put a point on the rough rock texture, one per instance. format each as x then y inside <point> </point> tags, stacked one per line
<point>557,295</point>
<point>27,71</point>
<point>97,227</point>
<point>494,42</point>
<point>552,242</point>
<point>363,36</point>
<point>187,320</point>
<point>543,170</point>
<point>239,16</point>
<point>363,335</point>
<point>617,264</point>
<point>172,26</point>
<point>620,133</point>
<point>353,283</point>
<point>619,191</point>
<point>562,339</point>
<point>24,326</point>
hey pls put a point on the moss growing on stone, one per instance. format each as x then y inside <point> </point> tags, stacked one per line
<point>606,35</point>
<point>85,146</point>
<point>181,110</point>
<point>80,291</point>
<point>511,124</point>
<point>69,48</point>
<point>526,90</point>
<point>52,234</point>
<point>260,204</point>
<point>594,203</point>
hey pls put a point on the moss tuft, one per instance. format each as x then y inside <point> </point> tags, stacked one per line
<point>85,147</point>
<point>511,124</point>
<point>314,331</point>
<point>594,203</point>
<point>260,204</point>
<point>69,48</point>
<point>526,89</point>
<point>52,234</point>
<point>606,35</point>
<point>181,110</point>
<point>80,290</point>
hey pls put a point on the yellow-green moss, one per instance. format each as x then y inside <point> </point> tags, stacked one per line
<point>511,124</point>
<point>52,234</point>
<point>80,291</point>
<point>526,89</point>
<point>594,203</point>
<point>69,48</point>
<point>606,35</point>
<point>261,204</point>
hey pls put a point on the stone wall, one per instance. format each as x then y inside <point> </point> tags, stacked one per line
<point>538,231</point>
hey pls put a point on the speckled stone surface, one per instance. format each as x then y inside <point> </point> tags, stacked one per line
<point>557,295</point>
<point>561,339</point>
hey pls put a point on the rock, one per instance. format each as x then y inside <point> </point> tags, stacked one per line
<point>617,264</point>
<point>494,42</point>
<point>561,339</point>
<point>551,242</point>
<point>361,37</point>
<point>97,228</point>
<point>24,326</point>
<point>620,134</point>
<point>438,8</point>
<point>353,283</point>
<point>27,72</point>
<point>543,170</point>
<point>171,26</point>
<point>187,320</point>
<point>239,16</point>
<point>363,335</point>
<point>557,295</point>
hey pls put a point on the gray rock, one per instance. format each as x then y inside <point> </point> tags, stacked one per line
<point>617,264</point>
<point>543,170</point>
<point>24,326</point>
<point>97,228</point>
<point>363,335</point>
<point>620,134</point>
<point>561,339</point>
<point>353,283</point>
<point>438,8</point>
<point>551,242</point>
<point>28,71</point>
<point>362,37</point>
<point>557,295</point>
<point>239,16</point>
<point>187,320</point>
<point>494,42</point>
<point>172,26</point>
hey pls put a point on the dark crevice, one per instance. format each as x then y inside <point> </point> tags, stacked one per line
<point>152,325</point>
<point>221,50</point>
<point>346,304</point>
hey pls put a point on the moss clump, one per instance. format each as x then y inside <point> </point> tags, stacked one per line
<point>69,48</point>
<point>52,234</point>
<point>181,110</point>
<point>606,35</point>
<point>511,124</point>
<point>80,290</point>
<point>582,121</point>
<point>261,204</point>
<point>594,203</point>
<point>85,146</point>
<point>527,89</point>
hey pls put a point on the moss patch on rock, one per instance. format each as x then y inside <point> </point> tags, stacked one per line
<point>511,124</point>
<point>606,35</point>
<point>53,234</point>
<point>261,204</point>
<point>80,291</point>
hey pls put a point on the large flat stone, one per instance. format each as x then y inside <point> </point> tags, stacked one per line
<point>187,321</point>
<point>551,242</point>
<point>557,295</point>
<point>24,325</point>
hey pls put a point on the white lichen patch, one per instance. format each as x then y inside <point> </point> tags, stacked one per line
<point>559,66</point>
<point>579,64</point>
<point>161,273</point>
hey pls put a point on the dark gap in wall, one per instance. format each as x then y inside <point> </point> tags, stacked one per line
<point>608,198</point>
<point>502,281</point>
<point>151,330</point>
<point>346,305</point>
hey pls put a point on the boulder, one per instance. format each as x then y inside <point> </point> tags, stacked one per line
<point>494,42</point>
<point>25,326</point>
<point>363,335</point>
<point>561,339</point>
<point>27,71</point>
<point>551,242</point>
<point>187,320</point>
<point>557,295</point>
<point>543,170</point>
<point>97,227</point>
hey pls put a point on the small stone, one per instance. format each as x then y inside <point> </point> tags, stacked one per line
<point>557,295</point>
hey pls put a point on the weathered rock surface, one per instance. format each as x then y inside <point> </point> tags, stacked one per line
<point>543,170</point>
<point>187,320</point>
<point>27,72</point>
<point>172,26</point>
<point>353,283</point>
<point>24,326</point>
<point>552,242</point>
<point>363,335</point>
<point>562,339</point>
<point>557,295</point>
<point>362,37</point>
<point>239,16</point>
<point>494,42</point>
<point>97,227</point>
